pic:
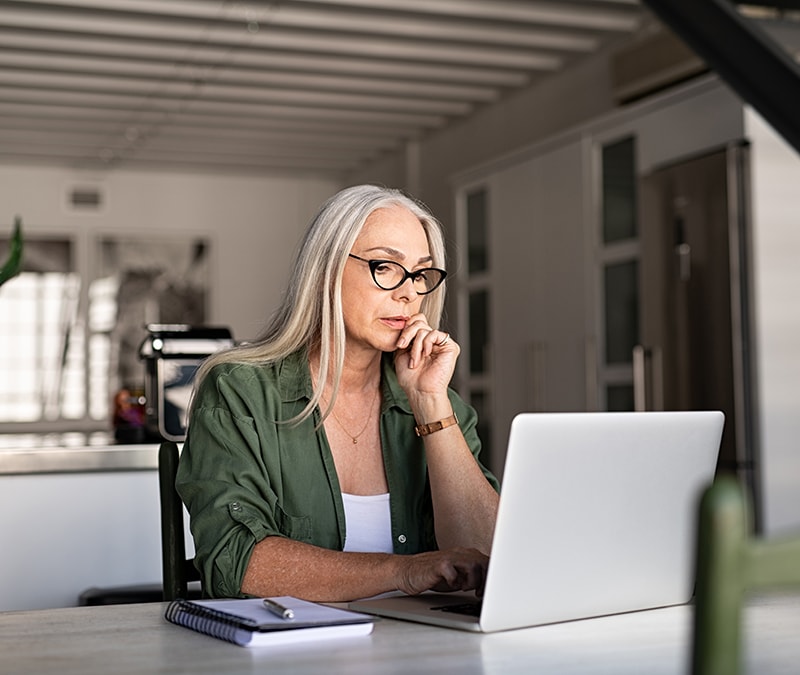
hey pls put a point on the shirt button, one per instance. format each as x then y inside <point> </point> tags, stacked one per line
<point>402,539</point>
<point>236,506</point>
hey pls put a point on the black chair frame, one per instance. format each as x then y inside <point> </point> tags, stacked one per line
<point>177,570</point>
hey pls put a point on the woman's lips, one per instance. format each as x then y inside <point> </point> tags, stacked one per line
<point>395,322</point>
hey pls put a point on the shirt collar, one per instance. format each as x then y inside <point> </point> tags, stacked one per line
<point>295,379</point>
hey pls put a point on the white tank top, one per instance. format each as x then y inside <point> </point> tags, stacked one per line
<point>368,523</point>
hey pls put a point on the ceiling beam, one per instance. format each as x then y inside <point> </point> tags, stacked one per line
<point>754,66</point>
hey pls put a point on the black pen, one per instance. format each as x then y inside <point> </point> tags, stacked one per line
<point>278,609</point>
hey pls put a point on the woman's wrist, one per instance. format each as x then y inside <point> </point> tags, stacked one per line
<point>428,409</point>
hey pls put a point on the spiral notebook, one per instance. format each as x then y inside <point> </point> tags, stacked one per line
<point>248,623</point>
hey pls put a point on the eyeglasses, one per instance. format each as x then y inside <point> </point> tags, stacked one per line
<point>389,275</point>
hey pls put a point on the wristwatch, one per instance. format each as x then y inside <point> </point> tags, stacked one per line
<point>438,425</point>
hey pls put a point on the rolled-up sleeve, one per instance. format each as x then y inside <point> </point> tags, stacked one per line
<point>225,483</point>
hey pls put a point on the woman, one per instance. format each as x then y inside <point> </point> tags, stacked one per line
<point>329,460</point>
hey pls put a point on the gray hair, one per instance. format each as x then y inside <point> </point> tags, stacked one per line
<point>310,314</point>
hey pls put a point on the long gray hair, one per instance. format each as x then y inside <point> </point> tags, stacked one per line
<point>310,315</point>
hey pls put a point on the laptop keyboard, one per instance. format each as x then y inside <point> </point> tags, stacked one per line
<point>466,608</point>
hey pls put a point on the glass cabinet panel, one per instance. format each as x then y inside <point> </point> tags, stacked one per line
<point>619,191</point>
<point>619,398</point>
<point>621,310</point>
<point>477,253</point>
<point>478,331</point>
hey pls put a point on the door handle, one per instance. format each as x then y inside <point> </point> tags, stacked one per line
<point>648,379</point>
<point>684,253</point>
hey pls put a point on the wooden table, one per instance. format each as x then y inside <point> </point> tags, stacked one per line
<point>132,639</point>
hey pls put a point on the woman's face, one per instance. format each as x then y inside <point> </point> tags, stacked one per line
<point>374,317</point>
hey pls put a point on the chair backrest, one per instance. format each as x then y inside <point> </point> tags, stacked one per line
<point>730,562</point>
<point>177,571</point>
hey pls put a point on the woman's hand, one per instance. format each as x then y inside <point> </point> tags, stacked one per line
<point>455,569</point>
<point>425,358</point>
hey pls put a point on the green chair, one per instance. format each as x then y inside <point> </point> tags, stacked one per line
<point>177,571</point>
<point>730,562</point>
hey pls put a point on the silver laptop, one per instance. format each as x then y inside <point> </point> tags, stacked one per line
<point>597,516</point>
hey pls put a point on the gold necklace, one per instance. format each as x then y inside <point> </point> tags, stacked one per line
<point>364,428</point>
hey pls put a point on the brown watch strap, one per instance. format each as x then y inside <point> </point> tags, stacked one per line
<point>438,425</point>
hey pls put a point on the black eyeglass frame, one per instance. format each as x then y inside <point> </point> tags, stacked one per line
<point>373,265</point>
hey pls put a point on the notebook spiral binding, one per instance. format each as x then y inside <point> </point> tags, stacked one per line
<point>205,620</point>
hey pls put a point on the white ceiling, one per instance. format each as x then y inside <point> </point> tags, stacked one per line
<point>309,85</point>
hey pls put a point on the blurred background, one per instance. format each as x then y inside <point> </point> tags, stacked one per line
<point>617,185</point>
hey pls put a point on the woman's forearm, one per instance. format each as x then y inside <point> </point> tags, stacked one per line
<point>464,502</point>
<point>280,566</point>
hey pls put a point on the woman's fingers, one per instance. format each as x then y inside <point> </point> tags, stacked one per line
<point>421,340</point>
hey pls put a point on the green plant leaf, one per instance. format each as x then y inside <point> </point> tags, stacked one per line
<point>13,264</point>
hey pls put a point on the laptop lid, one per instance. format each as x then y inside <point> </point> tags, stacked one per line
<point>597,516</point>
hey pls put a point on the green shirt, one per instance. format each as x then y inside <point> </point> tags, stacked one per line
<point>244,475</point>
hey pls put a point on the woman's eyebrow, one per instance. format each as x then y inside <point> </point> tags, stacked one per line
<point>388,250</point>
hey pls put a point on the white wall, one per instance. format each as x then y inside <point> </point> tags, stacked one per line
<point>539,275</point>
<point>64,533</point>
<point>254,223</point>
<point>776,247</point>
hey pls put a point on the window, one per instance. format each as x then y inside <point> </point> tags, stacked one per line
<point>69,340</point>
<point>42,342</point>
